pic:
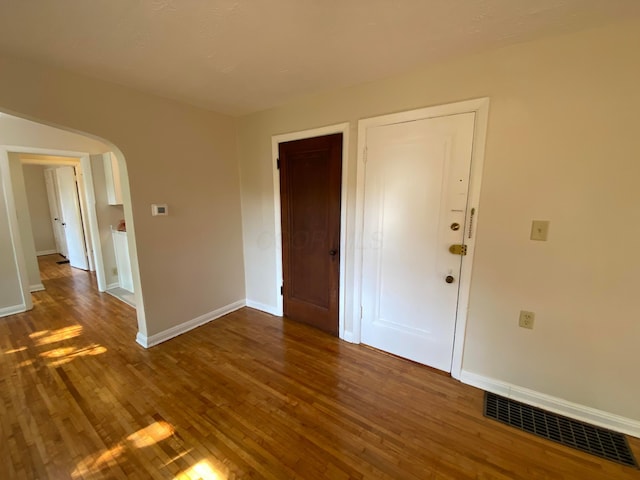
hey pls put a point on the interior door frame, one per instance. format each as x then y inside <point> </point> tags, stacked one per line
<point>68,222</point>
<point>342,128</point>
<point>478,106</point>
<point>88,198</point>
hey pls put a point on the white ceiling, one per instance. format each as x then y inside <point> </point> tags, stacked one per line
<point>241,56</point>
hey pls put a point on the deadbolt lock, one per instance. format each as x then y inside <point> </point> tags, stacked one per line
<point>455,226</point>
<point>458,249</point>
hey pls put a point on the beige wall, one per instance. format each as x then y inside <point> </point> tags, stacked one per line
<point>24,220</point>
<point>190,261</point>
<point>38,201</point>
<point>10,289</point>
<point>562,145</point>
<point>24,133</point>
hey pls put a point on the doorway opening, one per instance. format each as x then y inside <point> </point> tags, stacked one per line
<point>418,190</point>
<point>310,184</point>
<point>343,130</point>
<point>53,185</point>
<point>82,175</point>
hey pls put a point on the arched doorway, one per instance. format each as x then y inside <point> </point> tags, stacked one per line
<point>39,144</point>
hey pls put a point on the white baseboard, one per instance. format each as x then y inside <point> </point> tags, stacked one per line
<point>12,310</point>
<point>38,287</point>
<point>553,404</point>
<point>112,285</point>
<point>172,332</point>
<point>45,252</point>
<point>263,307</point>
<point>348,337</point>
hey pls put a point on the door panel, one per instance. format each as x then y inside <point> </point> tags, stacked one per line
<point>310,183</point>
<point>416,187</point>
<point>70,209</point>
<point>54,211</point>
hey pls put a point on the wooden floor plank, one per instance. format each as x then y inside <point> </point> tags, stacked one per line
<point>247,396</point>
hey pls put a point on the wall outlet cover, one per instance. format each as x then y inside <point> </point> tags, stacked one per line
<point>539,230</point>
<point>526,319</point>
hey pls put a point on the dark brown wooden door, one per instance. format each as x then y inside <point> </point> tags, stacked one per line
<point>310,181</point>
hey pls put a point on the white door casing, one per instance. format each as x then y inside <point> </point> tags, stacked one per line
<point>416,185</point>
<point>380,285</point>
<point>344,258</point>
<point>72,221</point>
<point>85,216</point>
<point>6,190</point>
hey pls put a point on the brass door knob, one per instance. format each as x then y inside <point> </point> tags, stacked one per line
<point>449,279</point>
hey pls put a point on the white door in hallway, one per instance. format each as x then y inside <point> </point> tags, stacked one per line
<point>54,211</point>
<point>71,220</point>
<point>416,186</point>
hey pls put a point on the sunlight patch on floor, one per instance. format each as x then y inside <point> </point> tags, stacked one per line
<point>95,463</point>
<point>143,438</point>
<point>65,333</point>
<point>38,334</point>
<point>16,350</point>
<point>178,457</point>
<point>60,356</point>
<point>203,470</point>
<point>150,435</point>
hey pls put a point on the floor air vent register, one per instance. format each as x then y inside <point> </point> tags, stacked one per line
<point>572,433</point>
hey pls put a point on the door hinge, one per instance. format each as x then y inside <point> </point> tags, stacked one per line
<point>282,290</point>
<point>278,164</point>
<point>364,154</point>
<point>361,312</point>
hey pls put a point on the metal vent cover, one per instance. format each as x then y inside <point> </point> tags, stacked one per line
<point>566,431</point>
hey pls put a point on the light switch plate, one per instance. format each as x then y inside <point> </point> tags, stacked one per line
<point>540,230</point>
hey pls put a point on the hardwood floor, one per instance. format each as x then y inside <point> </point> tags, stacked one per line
<point>246,396</point>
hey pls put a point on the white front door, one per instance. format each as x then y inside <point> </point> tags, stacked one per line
<point>72,222</point>
<point>415,202</point>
